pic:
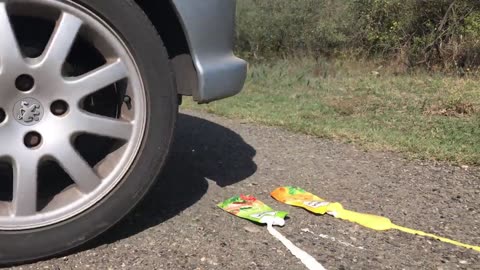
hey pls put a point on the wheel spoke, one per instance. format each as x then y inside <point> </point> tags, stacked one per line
<point>25,187</point>
<point>104,126</point>
<point>79,170</point>
<point>4,137</point>
<point>97,79</point>
<point>61,40</point>
<point>10,54</point>
<point>50,98</point>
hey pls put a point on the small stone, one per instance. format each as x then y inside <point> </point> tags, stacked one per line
<point>251,229</point>
<point>463,262</point>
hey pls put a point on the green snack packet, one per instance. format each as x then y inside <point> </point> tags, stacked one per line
<point>248,207</point>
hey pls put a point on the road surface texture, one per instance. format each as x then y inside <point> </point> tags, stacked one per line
<point>178,226</point>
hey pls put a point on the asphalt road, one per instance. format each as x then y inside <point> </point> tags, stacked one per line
<point>179,227</point>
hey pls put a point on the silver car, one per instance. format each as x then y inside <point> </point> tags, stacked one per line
<point>89,95</point>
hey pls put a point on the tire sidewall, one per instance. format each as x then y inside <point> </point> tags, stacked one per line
<point>151,58</point>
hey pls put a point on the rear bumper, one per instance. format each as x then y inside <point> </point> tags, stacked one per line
<point>210,29</point>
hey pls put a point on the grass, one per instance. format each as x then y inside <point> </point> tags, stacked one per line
<point>425,116</point>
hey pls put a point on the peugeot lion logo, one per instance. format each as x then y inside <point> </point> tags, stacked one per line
<point>28,111</point>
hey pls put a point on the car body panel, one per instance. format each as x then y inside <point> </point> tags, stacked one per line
<point>209,26</point>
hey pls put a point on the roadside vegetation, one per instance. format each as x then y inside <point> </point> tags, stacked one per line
<point>437,35</point>
<point>358,72</point>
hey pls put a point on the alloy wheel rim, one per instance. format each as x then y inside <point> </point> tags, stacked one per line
<point>47,111</point>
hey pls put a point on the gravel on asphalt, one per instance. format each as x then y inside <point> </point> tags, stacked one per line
<point>178,225</point>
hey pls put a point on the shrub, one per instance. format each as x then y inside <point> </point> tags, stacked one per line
<point>437,34</point>
<point>280,27</point>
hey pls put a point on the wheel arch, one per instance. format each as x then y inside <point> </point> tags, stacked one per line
<point>165,19</point>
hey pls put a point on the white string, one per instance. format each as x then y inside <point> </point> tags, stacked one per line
<point>306,258</point>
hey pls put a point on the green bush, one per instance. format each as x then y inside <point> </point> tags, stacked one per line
<point>280,27</point>
<point>437,34</point>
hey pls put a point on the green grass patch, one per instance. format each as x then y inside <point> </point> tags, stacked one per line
<point>425,116</point>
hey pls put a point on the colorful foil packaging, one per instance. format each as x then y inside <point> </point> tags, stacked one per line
<point>249,207</point>
<point>299,197</point>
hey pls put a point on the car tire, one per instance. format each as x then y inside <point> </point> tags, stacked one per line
<point>134,30</point>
